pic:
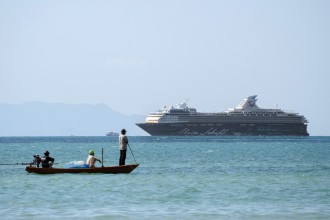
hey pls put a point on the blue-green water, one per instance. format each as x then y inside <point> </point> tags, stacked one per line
<point>179,178</point>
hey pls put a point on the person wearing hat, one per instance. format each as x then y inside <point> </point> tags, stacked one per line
<point>91,159</point>
<point>123,141</point>
<point>47,161</point>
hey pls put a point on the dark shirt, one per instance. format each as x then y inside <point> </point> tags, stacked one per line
<point>45,161</point>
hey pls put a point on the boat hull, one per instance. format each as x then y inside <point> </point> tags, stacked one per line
<point>225,129</point>
<point>112,169</point>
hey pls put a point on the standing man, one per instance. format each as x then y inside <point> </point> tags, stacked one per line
<point>123,141</point>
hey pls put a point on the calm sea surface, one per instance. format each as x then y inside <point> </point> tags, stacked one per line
<point>178,178</point>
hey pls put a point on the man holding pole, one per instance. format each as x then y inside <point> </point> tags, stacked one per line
<point>123,141</point>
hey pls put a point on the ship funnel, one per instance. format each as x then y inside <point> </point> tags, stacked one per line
<point>248,104</point>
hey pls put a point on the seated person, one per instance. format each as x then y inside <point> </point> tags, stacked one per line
<point>91,159</point>
<point>47,161</point>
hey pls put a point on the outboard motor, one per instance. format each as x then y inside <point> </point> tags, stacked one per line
<point>36,160</point>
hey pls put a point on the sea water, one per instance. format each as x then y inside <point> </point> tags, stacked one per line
<point>178,178</point>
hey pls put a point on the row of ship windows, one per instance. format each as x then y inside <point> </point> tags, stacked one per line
<point>257,119</point>
<point>175,119</point>
<point>229,114</point>
<point>251,114</point>
<point>195,125</point>
<point>230,117</point>
<point>240,119</point>
<point>219,125</point>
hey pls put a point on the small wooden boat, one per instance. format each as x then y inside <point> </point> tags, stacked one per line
<point>112,169</point>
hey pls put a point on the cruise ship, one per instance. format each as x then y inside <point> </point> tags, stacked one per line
<point>247,119</point>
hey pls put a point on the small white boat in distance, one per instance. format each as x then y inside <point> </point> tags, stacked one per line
<point>112,134</point>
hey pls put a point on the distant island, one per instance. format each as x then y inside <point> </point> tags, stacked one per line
<point>58,119</point>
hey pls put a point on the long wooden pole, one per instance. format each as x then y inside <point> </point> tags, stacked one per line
<point>132,153</point>
<point>31,163</point>
<point>16,163</point>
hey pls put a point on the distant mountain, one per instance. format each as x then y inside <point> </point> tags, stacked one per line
<point>56,119</point>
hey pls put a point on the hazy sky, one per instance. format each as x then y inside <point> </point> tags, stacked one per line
<point>136,56</point>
